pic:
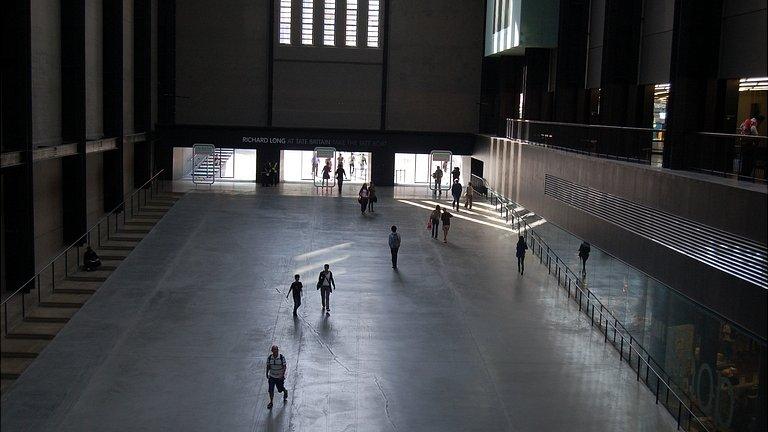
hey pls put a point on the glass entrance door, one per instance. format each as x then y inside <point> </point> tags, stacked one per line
<point>414,169</point>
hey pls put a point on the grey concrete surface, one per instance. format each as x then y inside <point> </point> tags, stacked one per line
<point>455,340</point>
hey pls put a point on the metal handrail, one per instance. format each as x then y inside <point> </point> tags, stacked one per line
<point>79,241</point>
<point>618,328</point>
<point>638,129</point>
<point>728,135</point>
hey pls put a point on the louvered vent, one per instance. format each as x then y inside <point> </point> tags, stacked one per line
<point>722,250</point>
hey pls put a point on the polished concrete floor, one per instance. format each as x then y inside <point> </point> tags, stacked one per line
<point>455,340</point>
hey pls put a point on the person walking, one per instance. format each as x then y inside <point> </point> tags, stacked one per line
<point>371,197</point>
<point>394,245</point>
<point>434,221</point>
<point>445,218</point>
<point>584,251</point>
<point>296,288</point>
<point>521,247</point>
<point>326,173</point>
<point>326,285</point>
<point>438,176</point>
<point>362,198</point>
<point>469,196</point>
<point>456,193</point>
<point>276,369</point>
<point>340,174</point>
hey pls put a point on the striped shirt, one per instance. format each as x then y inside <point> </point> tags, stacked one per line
<point>276,366</point>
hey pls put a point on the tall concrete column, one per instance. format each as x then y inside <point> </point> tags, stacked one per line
<point>73,122</point>
<point>693,76</point>
<point>18,241</point>
<point>620,96</point>
<point>571,104</point>
<point>535,83</point>
<point>113,101</point>
<point>142,89</point>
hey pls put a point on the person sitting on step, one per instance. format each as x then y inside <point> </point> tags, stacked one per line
<point>91,260</point>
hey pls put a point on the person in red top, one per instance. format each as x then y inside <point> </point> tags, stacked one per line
<point>750,148</point>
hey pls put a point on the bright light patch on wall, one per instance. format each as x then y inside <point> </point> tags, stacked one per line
<point>351,34</point>
<point>373,23</point>
<point>329,23</point>
<point>753,84</point>
<point>285,22</point>
<point>306,21</point>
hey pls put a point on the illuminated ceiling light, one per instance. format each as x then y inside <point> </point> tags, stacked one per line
<point>753,84</point>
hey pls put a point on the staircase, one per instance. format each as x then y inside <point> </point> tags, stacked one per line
<point>213,165</point>
<point>56,298</point>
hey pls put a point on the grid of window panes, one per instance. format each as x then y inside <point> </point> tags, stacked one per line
<point>373,23</point>
<point>285,22</point>
<point>329,23</point>
<point>306,21</point>
<point>348,15</point>
<point>351,35</point>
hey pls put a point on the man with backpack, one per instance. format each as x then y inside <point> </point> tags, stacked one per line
<point>326,285</point>
<point>394,245</point>
<point>276,368</point>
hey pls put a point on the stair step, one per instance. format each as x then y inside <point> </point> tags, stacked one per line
<point>126,230</point>
<point>112,258</point>
<point>83,278</point>
<point>24,346</point>
<point>14,365</point>
<point>74,291</point>
<point>20,354</point>
<point>116,248</point>
<point>70,305</point>
<point>36,336</point>
<point>39,319</point>
<point>146,217</point>
<point>134,222</point>
<point>125,238</point>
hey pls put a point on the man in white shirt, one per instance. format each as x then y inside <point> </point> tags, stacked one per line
<point>276,368</point>
<point>326,285</point>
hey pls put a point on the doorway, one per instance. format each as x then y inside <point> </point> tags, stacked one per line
<point>413,169</point>
<point>296,166</point>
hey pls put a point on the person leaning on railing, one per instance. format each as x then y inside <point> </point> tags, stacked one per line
<point>749,147</point>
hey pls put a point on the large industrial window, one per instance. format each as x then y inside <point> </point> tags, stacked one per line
<point>285,22</point>
<point>351,39</point>
<point>373,23</point>
<point>329,23</point>
<point>335,18</point>
<point>306,21</point>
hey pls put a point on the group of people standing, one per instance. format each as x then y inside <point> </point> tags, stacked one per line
<point>456,188</point>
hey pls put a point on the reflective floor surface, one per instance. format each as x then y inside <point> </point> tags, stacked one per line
<point>454,340</point>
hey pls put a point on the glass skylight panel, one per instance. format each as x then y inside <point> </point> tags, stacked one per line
<point>373,23</point>
<point>285,22</point>
<point>351,34</point>
<point>306,21</point>
<point>329,23</point>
